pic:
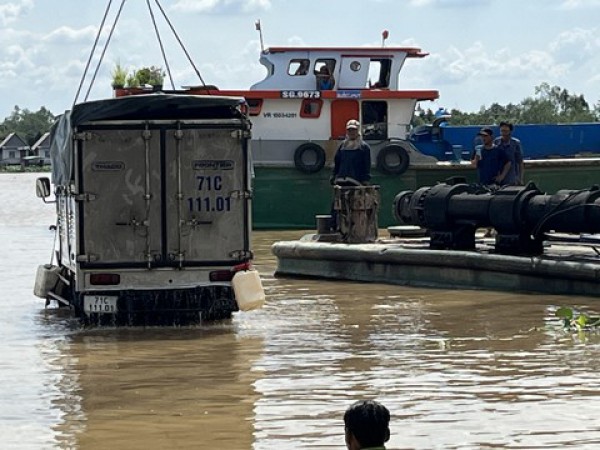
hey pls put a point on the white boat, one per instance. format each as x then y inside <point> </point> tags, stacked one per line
<point>298,124</point>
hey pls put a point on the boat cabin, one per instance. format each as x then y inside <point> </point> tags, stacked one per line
<point>351,68</point>
<point>300,109</point>
<point>310,93</point>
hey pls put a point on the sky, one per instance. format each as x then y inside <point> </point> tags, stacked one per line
<point>480,51</point>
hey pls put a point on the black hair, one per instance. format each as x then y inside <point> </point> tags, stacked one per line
<point>507,124</point>
<point>369,422</point>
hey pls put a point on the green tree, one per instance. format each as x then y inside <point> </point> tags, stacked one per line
<point>29,125</point>
<point>552,104</point>
<point>549,104</point>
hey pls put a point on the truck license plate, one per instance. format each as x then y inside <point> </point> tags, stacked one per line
<point>100,304</point>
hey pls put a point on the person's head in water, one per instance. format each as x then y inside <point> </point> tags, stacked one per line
<point>367,424</point>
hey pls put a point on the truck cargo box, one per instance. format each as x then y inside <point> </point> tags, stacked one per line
<point>153,207</point>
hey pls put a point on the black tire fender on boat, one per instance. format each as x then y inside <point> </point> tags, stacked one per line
<point>309,158</point>
<point>393,159</point>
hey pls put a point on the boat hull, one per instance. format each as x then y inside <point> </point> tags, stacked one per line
<point>285,198</point>
<point>538,141</point>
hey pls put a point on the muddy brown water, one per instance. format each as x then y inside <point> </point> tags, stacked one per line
<point>458,369</point>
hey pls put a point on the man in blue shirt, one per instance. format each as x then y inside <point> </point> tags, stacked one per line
<point>491,161</point>
<point>513,150</point>
<point>352,161</point>
<point>325,80</point>
<point>351,164</point>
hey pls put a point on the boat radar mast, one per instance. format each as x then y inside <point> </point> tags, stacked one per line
<point>384,35</point>
<point>259,29</point>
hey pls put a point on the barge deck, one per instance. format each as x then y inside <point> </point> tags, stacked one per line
<point>565,268</point>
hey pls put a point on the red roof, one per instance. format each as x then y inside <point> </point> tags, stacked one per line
<point>410,51</point>
<point>332,94</point>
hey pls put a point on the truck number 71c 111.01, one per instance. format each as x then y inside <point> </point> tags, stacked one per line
<point>100,304</point>
<point>209,203</point>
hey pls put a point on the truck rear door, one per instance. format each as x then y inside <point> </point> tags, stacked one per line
<point>206,196</point>
<point>165,194</point>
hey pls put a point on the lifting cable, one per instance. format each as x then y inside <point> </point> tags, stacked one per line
<point>162,48</point>
<point>180,43</point>
<point>112,29</point>
<point>87,66</point>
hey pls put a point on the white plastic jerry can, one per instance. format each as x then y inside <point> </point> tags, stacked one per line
<point>46,279</point>
<point>248,289</point>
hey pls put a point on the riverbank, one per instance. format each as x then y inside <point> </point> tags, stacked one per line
<point>27,169</point>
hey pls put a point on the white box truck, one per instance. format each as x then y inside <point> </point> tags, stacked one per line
<point>153,211</point>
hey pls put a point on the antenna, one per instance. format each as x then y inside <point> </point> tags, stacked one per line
<point>384,35</point>
<point>259,29</point>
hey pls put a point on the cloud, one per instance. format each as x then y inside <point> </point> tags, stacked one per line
<point>579,4</point>
<point>221,6</point>
<point>448,3</point>
<point>503,75</point>
<point>9,12</point>
<point>64,34</point>
<point>30,58</point>
<point>238,72</point>
<point>477,64</point>
<point>575,46</point>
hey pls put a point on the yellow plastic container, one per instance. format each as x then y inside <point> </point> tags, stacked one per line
<point>248,289</point>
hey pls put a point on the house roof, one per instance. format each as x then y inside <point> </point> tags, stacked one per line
<point>13,140</point>
<point>43,141</point>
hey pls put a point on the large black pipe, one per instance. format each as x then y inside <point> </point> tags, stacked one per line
<point>520,214</point>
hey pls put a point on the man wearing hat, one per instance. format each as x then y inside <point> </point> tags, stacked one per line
<point>352,164</point>
<point>352,161</point>
<point>491,161</point>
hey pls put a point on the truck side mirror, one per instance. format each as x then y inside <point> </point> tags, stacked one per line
<point>42,187</point>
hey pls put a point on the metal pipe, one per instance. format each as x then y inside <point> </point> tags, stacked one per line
<point>521,215</point>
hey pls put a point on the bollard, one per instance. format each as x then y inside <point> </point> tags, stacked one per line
<point>323,223</point>
<point>357,208</point>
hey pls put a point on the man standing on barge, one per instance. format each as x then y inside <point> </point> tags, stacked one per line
<point>356,203</point>
<point>352,161</point>
<point>512,148</point>
<point>493,164</point>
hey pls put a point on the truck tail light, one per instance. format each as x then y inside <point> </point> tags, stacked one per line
<point>221,275</point>
<point>105,279</point>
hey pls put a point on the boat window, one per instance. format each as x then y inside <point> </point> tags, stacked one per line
<point>329,63</point>
<point>379,73</point>
<point>254,106</point>
<point>311,108</point>
<point>298,67</point>
<point>374,120</point>
<point>324,74</point>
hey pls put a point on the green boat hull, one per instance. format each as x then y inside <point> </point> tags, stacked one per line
<point>285,198</point>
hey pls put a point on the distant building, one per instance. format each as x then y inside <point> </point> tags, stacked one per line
<point>41,150</point>
<point>13,150</point>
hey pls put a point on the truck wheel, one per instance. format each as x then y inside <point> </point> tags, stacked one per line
<point>309,158</point>
<point>393,159</point>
